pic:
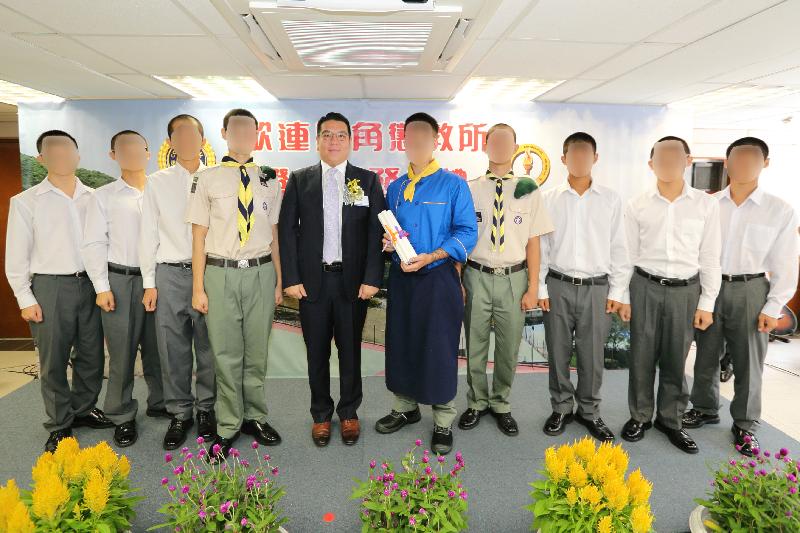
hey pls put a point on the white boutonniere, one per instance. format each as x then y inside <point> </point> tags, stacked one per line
<point>353,193</point>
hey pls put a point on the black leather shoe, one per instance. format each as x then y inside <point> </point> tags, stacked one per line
<point>695,419</point>
<point>470,418</point>
<point>206,425</point>
<point>678,437</point>
<point>557,423</point>
<point>597,428</point>
<point>745,441</point>
<point>396,420</point>
<point>56,437</point>
<point>126,434</point>
<point>633,431</point>
<point>176,433</point>
<point>224,449</point>
<point>96,419</point>
<point>506,423</point>
<point>262,432</point>
<point>725,368</point>
<point>442,440</point>
<point>152,412</point>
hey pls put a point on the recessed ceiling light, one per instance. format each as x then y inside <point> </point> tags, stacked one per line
<point>11,93</point>
<point>733,96</point>
<point>358,45</point>
<point>218,87</point>
<point>499,89</point>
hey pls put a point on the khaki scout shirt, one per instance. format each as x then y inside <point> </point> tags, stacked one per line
<point>214,201</point>
<point>524,217</point>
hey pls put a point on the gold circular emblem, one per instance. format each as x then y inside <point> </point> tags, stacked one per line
<point>527,151</point>
<point>168,158</point>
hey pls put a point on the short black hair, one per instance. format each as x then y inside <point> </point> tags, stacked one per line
<point>671,138</point>
<point>749,141</point>
<point>54,133</point>
<point>579,137</point>
<point>238,112</point>
<point>503,126</point>
<point>423,117</point>
<point>127,132</point>
<point>332,115</point>
<point>184,116</point>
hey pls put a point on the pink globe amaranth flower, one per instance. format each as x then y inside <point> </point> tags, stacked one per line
<point>747,438</point>
<point>426,459</point>
<point>275,471</point>
<point>451,493</point>
<point>215,449</point>
<point>784,452</point>
<point>185,489</point>
<point>188,456</point>
<point>167,457</point>
<point>201,513</point>
<point>386,492</point>
<point>200,440</point>
<point>440,458</point>
<point>422,510</point>
<point>266,457</point>
<point>463,495</point>
<point>412,521</point>
<point>403,493</point>
<point>182,501</point>
<point>178,470</point>
<point>418,442</point>
<point>245,463</point>
<point>164,481</point>
<point>254,445</point>
<point>756,451</point>
<point>792,490</point>
<point>234,452</point>
<point>766,453</point>
<point>736,479</point>
<point>243,522</point>
<point>372,464</point>
<point>732,462</point>
<point>185,450</point>
<point>172,488</point>
<point>201,453</point>
<point>428,470</point>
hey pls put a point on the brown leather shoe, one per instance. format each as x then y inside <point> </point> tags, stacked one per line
<point>321,433</point>
<point>351,430</point>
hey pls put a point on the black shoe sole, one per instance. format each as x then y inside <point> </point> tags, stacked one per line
<point>645,427</point>
<point>568,420</point>
<point>131,443</point>
<point>585,423</point>
<point>254,434</point>
<point>384,431</point>
<point>481,414</point>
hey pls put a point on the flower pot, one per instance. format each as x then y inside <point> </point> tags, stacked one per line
<point>282,530</point>
<point>696,518</point>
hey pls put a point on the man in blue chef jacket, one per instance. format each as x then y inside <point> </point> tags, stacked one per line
<point>425,303</point>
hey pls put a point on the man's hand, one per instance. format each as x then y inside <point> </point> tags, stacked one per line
<point>298,292</point>
<point>200,301</point>
<point>544,304</point>
<point>529,301</point>
<point>703,319</point>
<point>417,262</point>
<point>365,292</point>
<point>766,323</point>
<point>278,295</point>
<point>625,312</point>
<point>149,299</point>
<point>105,301</point>
<point>613,306</point>
<point>32,313</point>
<point>387,243</point>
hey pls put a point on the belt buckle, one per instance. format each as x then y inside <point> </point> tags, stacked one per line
<point>663,281</point>
<point>499,271</point>
<point>579,280</point>
<point>243,263</point>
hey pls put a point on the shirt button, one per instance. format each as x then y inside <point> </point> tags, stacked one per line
<point>416,202</point>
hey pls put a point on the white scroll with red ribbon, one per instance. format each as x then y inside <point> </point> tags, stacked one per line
<point>397,235</point>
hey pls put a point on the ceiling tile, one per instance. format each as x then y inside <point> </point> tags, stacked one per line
<point>631,58</point>
<point>568,89</point>
<point>413,87</point>
<point>544,59</point>
<point>12,22</point>
<point>75,51</point>
<point>313,86</point>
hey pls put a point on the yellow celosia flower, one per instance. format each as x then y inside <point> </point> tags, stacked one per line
<point>616,492</point>
<point>577,475</point>
<point>45,467</point>
<point>566,454</point>
<point>66,451</point>
<point>641,519</point>
<point>9,496</point>
<point>101,456</point>
<point>49,494</point>
<point>19,521</point>
<point>639,487</point>
<point>590,494</point>
<point>95,492</point>
<point>604,525</point>
<point>555,466</point>
<point>123,467</point>
<point>571,495</point>
<point>619,459</point>
<point>584,448</point>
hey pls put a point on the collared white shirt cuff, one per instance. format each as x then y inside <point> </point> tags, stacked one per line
<point>101,285</point>
<point>26,299</point>
<point>706,304</point>
<point>772,309</point>
<point>617,295</point>
<point>543,294</point>
<point>149,282</point>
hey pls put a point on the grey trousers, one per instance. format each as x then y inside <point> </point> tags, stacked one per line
<point>662,331</point>
<point>128,329</point>
<point>70,320</point>
<point>735,323</point>
<point>576,312</point>
<point>178,326</point>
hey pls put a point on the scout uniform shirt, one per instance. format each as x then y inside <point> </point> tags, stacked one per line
<point>214,204</point>
<point>522,219</point>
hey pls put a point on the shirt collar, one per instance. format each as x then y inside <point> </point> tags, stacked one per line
<point>686,192</point>
<point>47,186</point>
<point>123,185</point>
<point>341,167</point>
<point>566,187</point>
<point>756,196</point>
<point>180,170</point>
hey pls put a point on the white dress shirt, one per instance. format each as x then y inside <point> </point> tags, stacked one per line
<point>45,232</point>
<point>588,240</point>
<point>341,168</point>
<point>165,236</point>
<point>111,233</point>
<point>760,235</point>
<point>677,239</point>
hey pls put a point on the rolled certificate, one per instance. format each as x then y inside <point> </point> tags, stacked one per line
<point>399,237</point>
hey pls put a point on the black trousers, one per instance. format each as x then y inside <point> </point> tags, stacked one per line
<point>333,316</point>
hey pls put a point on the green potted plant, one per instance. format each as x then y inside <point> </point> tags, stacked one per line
<point>224,495</point>
<point>583,489</point>
<point>751,494</point>
<point>424,495</point>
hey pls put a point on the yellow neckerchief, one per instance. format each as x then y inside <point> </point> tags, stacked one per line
<point>413,179</point>
<point>492,176</point>
<point>228,161</point>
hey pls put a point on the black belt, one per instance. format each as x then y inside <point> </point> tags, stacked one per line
<point>81,274</point>
<point>332,267</point>
<point>597,280</point>
<point>499,271</point>
<point>668,282</point>
<point>185,266</point>
<point>742,277</point>
<point>238,263</point>
<point>125,271</point>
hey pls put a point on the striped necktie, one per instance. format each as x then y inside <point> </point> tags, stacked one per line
<point>498,215</point>
<point>246,218</point>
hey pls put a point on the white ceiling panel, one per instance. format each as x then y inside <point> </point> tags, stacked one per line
<point>507,14</point>
<point>206,15</point>
<point>568,89</point>
<point>437,87</point>
<point>544,59</point>
<point>313,86</point>
<point>67,47</point>
<point>12,22</point>
<point>151,85</point>
<point>627,60</point>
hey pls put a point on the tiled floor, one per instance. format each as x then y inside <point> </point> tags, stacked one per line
<point>19,365</point>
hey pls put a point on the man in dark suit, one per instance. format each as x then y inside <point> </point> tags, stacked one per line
<point>331,258</point>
